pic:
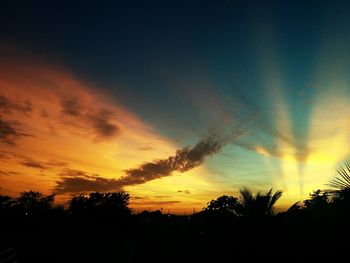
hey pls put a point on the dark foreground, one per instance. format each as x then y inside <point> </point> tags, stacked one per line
<point>152,237</point>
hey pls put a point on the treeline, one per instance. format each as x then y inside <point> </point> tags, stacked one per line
<point>107,229</point>
<point>101,227</point>
<point>330,204</point>
<point>31,204</point>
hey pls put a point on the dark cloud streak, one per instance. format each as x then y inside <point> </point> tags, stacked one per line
<point>9,132</point>
<point>34,164</point>
<point>8,173</point>
<point>184,191</point>
<point>98,120</point>
<point>184,160</point>
<point>71,107</point>
<point>7,106</point>
<point>101,124</point>
<point>75,181</point>
<point>40,165</point>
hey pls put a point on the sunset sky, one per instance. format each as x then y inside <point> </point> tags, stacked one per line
<point>175,102</point>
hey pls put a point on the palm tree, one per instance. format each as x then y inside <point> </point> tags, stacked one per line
<point>341,185</point>
<point>342,182</point>
<point>260,205</point>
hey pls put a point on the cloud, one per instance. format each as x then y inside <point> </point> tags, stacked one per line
<point>184,191</point>
<point>156,203</point>
<point>9,132</point>
<point>75,181</point>
<point>9,129</point>
<point>138,197</point>
<point>29,162</point>
<point>145,148</point>
<point>34,164</point>
<point>71,107</point>
<point>7,173</point>
<point>165,202</point>
<point>102,125</point>
<point>44,113</point>
<point>183,160</point>
<point>55,163</point>
<point>97,120</point>
<point>65,118</point>
<point>7,106</point>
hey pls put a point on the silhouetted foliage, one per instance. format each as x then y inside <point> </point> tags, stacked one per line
<point>100,204</point>
<point>319,200</point>
<point>224,205</point>
<point>341,194</point>
<point>342,182</point>
<point>6,203</point>
<point>294,208</point>
<point>31,203</point>
<point>227,224</point>
<point>78,204</point>
<point>248,205</point>
<point>260,205</point>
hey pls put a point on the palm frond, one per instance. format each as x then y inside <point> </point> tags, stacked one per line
<point>247,195</point>
<point>343,181</point>
<point>275,198</point>
<point>260,204</point>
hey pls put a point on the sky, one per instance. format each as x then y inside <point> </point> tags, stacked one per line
<point>175,102</point>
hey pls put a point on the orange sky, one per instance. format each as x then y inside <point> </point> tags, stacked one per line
<point>51,140</point>
<point>62,135</point>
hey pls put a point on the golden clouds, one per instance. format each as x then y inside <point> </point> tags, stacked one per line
<point>51,123</point>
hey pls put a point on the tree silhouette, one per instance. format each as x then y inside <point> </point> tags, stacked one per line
<point>101,204</point>
<point>6,203</point>
<point>260,205</point>
<point>224,205</point>
<point>78,205</point>
<point>318,200</point>
<point>32,203</point>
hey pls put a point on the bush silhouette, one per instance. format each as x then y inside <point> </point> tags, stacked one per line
<point>248,205</point>
<point>103,204</point>
<point>33,203</point>
<point>319,200</point>
<point>224,205</point>
<point>260,205</point>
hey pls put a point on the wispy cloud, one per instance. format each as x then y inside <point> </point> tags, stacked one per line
<point>145,148</point>
<point>27,161</point>
<point>98,120</point>
<point>156,203</point>
<point>184,160</point>
<point>34,164</point>
<point>71,107</point>
<point>184,191</point>
<point>10,132</point>
<point>7,106</point>
<point>75,181</point>
<point>8,173</point>
<point>51,121</point>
